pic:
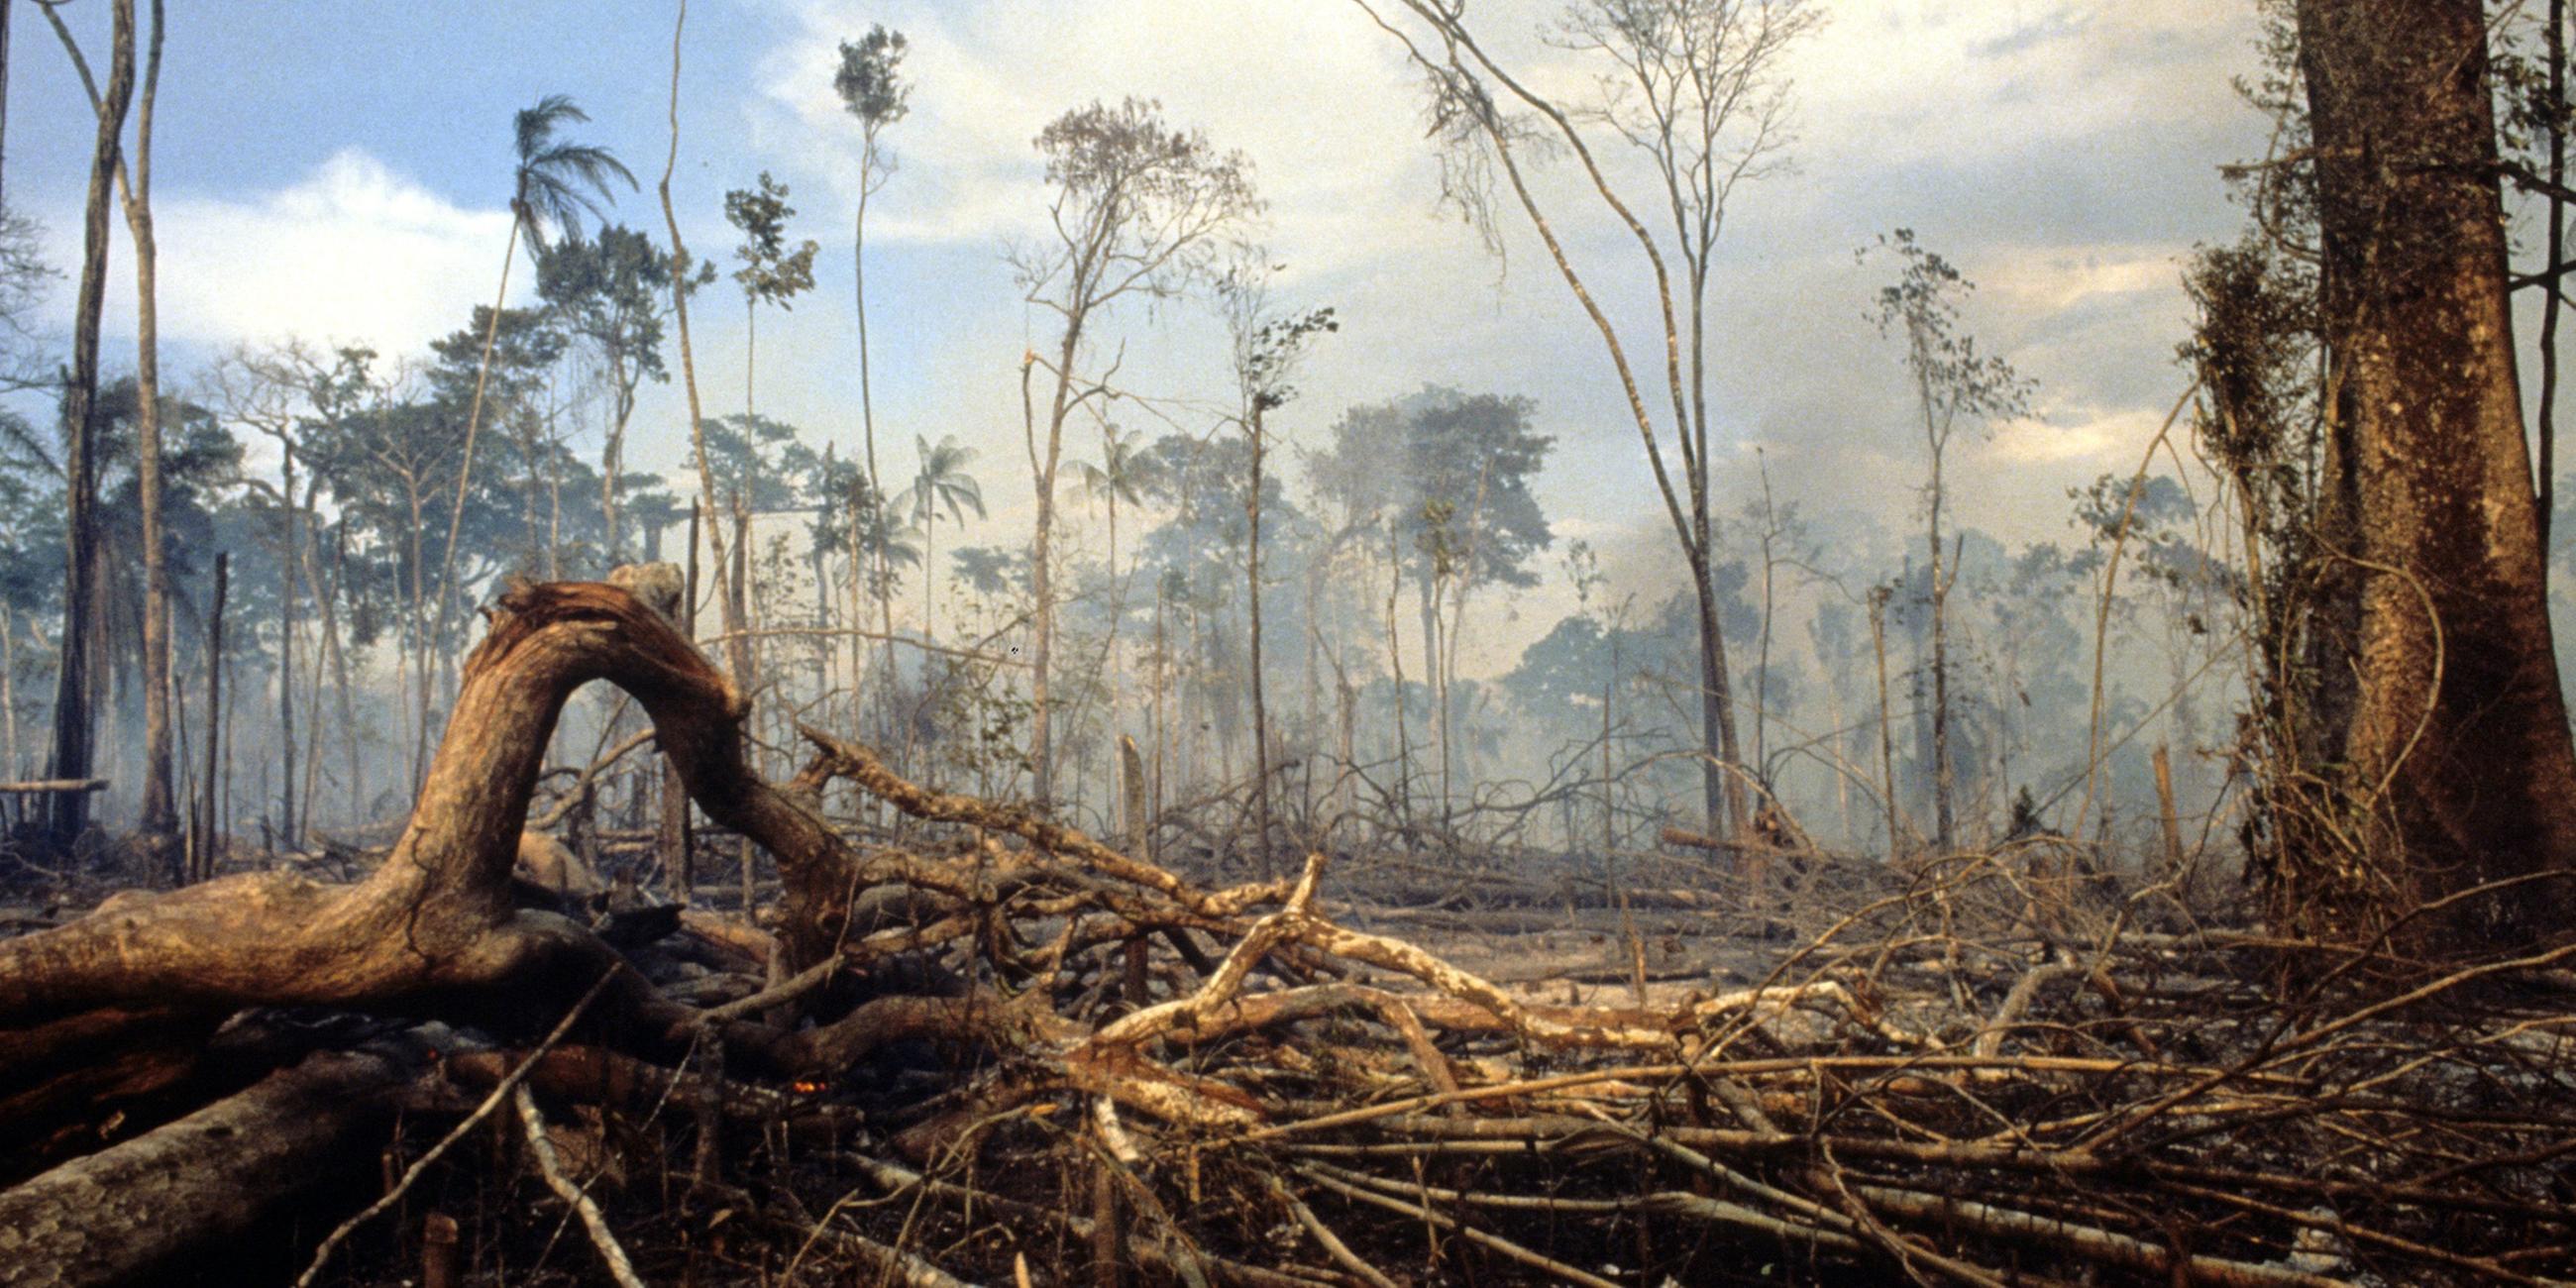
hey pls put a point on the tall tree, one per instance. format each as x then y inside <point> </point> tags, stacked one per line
<point>874,92</point>
<point>611,293</point>
<point>1952,382</point>
<point>853,521</point>
<point>772,272</point>
<point>941,483</point>
<point>1456,499</point>
<point>1140,208</point>
<point>737,640</point>
<point>277,393</point>
<point>1694,88</point>
<point>1124,472</point>
<point>73,716</point>
<point>1268,344</point>
<point>159,823</point>
<point>2437,663</point>
<point>552,183</point>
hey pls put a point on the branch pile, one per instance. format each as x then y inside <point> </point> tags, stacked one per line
<point>1007,1050</point>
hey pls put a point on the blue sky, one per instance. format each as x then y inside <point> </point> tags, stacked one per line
<point>337,171</point>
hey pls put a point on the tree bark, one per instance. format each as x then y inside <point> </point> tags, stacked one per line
<point>160,814</point>
<point>119,1214</point>
<point>2440,692</point>
<point>206,838</point>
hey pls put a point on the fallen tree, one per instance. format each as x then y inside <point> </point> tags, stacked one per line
<point>1016,1050</point>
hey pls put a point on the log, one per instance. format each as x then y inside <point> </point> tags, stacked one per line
<point>52,786</point>
<point>117,1214</point>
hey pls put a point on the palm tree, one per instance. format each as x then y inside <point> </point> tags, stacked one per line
<point>942,483</point>
<point>1123,473</point>
<point>552,187</point>
<point>852,517</point>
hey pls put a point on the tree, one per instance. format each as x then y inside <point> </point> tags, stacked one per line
<point>737,639</point>
<point>1139,209</point>
<point>1124,473</point>
<point>1268,344</point>
<point>1696,91</point>
<point>941,483</point>
<point>853,520</point>
<point>275,393</point>
<point>1952,381</point>
<point>385,457</point>
<point>159,821</point>
<point>505,364</point>
<point>771,272</point>
<point>1694,88</point>
<point>2436,659</point>
<point>610,292</point>
<point>872,89</point>
<point>74,723</point>
<point>554,183</point>
<point>1456,503</point>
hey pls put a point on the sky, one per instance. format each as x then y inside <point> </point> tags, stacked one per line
<point>339,173</point>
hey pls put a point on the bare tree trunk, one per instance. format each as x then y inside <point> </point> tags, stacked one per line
<point>1260,713</point>
<point>340,674</point>
<point>74,726</point>
<point>612,453</point>
<point>2554,248</point>
<point>207,834</point>
<point>737,643</point>
<point>2451,672</point>
<point>1395,665</point>
<point>1886,723</point>
<point>1722,793</point>
<point>672,840</point>
<point>883,587</point>
<point>1041,551</point>
<point>2166,816</point>
<point>160,815</point>
<point>4,78</point>
<point>8,680</point>
<point>286,654</point>
<point>1162,727</point>
<point>473,425</point>
<point>1942,778</point>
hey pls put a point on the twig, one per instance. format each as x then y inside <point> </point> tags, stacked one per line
<point>619,1268</point>
<point>500,1092</point>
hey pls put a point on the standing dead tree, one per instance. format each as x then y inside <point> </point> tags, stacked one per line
<point>1695,89</point>
<point>74,726</point>
<point>1139,210</point>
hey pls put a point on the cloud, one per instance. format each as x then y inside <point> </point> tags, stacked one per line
<point>355,251</point>
<point>1314,97</point>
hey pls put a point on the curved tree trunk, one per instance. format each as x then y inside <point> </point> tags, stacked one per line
<point>434,926</point>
